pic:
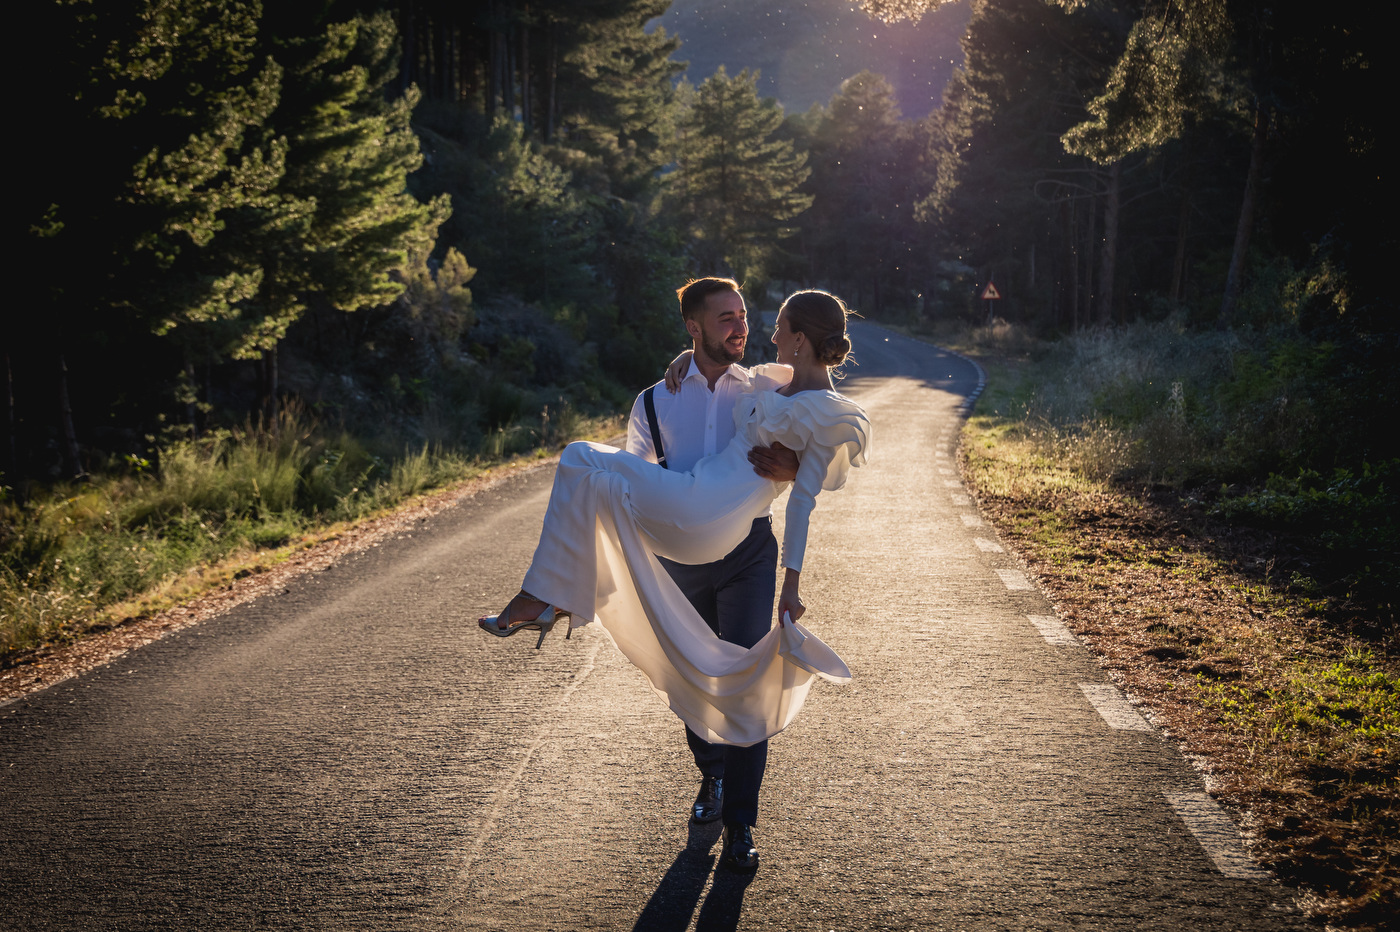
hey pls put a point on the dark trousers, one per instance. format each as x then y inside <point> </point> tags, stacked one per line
<point>735,597</point>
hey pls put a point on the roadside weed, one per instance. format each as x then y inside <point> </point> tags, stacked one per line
<point>124,544</point>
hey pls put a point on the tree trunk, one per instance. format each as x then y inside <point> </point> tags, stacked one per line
<point>441,72</point>
<point>466,70</point>
<point>11,450</point>
<point>1179,261</point>
<point>267,387</point>
<point>1110,245</point>
<point>449,64</point>
<point>410,44</point>
<point>1246,224</point>
<point>68,449</point>
<point>191,401</point>
<point>1090,241</point>
<point>494,66</point>
<point>508,75</point>
<point>552,75</point>
<point>1074,287</point>
<point>525,120</point>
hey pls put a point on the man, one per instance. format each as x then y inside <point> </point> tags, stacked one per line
<point>735,594</point>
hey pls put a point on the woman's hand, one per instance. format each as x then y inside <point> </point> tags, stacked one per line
<point>676,371</point>
<point>789,602</point>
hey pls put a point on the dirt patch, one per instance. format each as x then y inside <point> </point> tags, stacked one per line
<point>1180,611</point>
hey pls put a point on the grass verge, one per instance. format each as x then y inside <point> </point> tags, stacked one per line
<point>1288,704</point>
<point>87,557</point>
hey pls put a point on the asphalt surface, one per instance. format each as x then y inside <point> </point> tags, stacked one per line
<point>352,754</point>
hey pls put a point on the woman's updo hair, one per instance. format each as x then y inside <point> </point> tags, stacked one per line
<point>821,317</point>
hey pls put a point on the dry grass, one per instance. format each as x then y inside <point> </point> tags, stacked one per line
<point>1296,725</point>
<point>90,557</point>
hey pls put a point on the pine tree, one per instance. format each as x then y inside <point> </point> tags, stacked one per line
<point>861,226</point>
<point>153,110</point>
<point>350,149</point>
<point>618,101</point>
<point>438,305</point>
<point>735,187</point>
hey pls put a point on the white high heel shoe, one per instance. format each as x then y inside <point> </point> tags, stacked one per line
<point>543,623</point>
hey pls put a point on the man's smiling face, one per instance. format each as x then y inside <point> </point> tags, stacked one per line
<point>723,327</point>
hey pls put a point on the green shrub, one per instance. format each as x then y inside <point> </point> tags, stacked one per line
<point>67,555</point>
<point>1287,425</point>
<point>1352,515</point>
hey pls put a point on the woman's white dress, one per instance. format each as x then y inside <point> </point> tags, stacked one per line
<point>610,512</point>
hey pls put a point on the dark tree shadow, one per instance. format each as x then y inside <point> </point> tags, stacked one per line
<point>673,902</point>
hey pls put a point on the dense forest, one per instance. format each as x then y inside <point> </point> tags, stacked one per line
<point>446,216</point>
<point>431,223</point>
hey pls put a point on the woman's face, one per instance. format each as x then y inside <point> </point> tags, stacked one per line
<point>785,340</point>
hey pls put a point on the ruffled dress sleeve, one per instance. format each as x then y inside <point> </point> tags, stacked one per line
<point>767,376</point>
<point>831,434</point>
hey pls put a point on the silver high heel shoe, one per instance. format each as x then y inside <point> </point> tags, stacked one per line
<point>543,623</point>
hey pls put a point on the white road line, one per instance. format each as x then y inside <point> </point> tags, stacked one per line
<point>1114,707</point>
<point>1217,835</point>
<point>971,520</point>
<point>960,498</point>
<point>1054,633</point>
<point>1014,579</point>
<point>952,483</point>
<point>987,546</point>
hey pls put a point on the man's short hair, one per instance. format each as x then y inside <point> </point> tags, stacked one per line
<point>694,292</point>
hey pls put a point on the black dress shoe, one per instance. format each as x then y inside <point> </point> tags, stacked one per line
<point>737,849</point>
<point>709,801</point>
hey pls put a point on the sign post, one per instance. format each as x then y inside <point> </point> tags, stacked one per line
<point>990,294</point>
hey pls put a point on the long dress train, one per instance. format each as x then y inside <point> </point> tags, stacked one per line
<point>611,512</point>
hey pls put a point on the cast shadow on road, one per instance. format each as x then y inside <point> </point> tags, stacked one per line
<point>887,354</point>
<point>881,356</point>
<point>673,902</point>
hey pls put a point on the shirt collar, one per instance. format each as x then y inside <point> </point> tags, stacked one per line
<point>735,371</point>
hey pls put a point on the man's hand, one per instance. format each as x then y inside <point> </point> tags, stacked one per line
<point>676,371</point>
<point>776,462</point>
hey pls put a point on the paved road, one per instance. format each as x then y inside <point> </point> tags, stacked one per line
<point>351,754</point>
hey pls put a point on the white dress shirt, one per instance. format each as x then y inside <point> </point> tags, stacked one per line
<point>695,422</point>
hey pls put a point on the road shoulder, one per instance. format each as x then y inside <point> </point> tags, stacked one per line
<point>1175,609</point>
<point>221,588</point>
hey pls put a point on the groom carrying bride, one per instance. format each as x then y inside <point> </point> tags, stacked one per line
<point>733,595</point>
<point>704,638</point>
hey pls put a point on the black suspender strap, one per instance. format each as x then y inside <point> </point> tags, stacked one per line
<point>655,430</point>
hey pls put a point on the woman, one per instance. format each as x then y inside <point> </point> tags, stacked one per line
<point>610,513</point>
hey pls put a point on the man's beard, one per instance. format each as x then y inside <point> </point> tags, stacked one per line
<point>718,350</point>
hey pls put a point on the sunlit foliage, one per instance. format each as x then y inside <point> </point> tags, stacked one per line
<point>892,11</point>
<point>1173,68</point>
